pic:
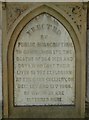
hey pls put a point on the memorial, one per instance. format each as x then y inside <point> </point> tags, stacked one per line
<point>44,60</point>
<point>44,64</point>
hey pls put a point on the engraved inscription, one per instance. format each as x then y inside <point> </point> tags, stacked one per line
<point>44,64</point>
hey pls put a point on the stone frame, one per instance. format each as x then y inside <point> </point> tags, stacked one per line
<point>79,40</point>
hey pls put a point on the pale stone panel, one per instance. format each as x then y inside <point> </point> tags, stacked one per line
<point>44,64</point>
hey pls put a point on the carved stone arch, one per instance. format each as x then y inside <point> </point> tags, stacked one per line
<point>50,9</point>
<point>13,36</point>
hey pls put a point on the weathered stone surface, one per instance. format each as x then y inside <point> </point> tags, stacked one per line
<point>31,61</point>
<point>44,64</point>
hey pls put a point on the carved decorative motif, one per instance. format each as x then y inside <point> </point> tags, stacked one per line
<point>14,11</point>
<point>73,11</point>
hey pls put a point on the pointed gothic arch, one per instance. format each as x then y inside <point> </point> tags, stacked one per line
<point>19,26</point>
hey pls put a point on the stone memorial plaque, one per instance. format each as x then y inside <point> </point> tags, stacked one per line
<point>44,60</point>
<point>44,64</point>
